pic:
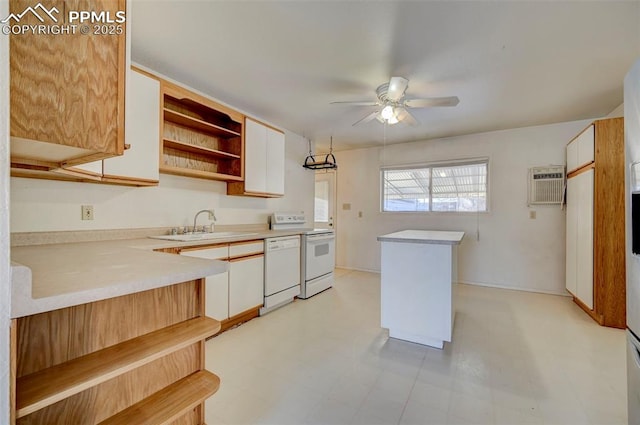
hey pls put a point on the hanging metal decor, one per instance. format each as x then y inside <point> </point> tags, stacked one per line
<point>329,162</point>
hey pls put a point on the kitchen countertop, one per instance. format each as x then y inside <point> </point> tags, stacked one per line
<point>53,276</point>
<point>424,236</point>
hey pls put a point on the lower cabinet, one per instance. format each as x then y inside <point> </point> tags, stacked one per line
<point>246,284</point>
<point>216,286</point>
<point>237,295</point>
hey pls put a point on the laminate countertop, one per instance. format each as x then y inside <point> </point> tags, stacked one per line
<point>424,236</point>
<point>53,276</point>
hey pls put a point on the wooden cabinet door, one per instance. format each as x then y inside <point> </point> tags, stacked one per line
<point>584,248</point>
<point>572,235</point>
<point>246,284</point>
<point>275,162</point>
<point>67,90</point>
<point>255,165</point>
<point>141,160</point>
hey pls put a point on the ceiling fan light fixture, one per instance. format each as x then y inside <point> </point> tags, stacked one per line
<point>387,112</point>
<point>393,119</point>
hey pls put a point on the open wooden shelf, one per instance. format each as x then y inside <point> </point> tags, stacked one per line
<point>188,147</point>
<point>179,171</point>
<point>200,138</point>
<point>170,403</point>
<point>48,386</point>
<point>197,124</point>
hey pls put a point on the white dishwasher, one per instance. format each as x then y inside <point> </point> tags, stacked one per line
<point>281,271</point>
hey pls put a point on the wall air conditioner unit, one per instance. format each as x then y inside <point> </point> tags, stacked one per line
<point>546,185</point>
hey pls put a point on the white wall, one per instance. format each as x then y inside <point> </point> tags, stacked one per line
<point>618,112</point>
<point>48,205</point>
<point>513,250</point>
<point>5,289</point>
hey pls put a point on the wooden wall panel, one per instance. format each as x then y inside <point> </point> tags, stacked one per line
<point>51,338</point>
<point>609,226</point>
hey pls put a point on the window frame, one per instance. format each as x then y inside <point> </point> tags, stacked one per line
<point>430,166</point>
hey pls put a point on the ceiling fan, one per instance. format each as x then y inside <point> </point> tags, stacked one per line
<point>392,105</point>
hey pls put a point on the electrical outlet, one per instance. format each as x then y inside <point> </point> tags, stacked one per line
<point>359,214</point>
<point>87,212</point>
<point>532,214</point>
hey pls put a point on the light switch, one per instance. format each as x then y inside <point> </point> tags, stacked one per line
<point>532,214</point>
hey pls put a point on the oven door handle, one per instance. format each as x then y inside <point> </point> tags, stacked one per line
<point>315,238</point>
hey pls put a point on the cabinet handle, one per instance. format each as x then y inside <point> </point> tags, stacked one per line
<point>245,257</point>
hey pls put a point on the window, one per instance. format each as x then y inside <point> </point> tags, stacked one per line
<point>321,209</point>
<point>455,186</point>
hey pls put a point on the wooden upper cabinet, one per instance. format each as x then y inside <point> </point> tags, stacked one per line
<point>67,90</point>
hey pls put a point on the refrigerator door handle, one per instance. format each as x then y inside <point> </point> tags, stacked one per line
<point>636,355</point>
<point>636,347</point>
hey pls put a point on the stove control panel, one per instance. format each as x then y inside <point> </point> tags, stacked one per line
<point>288,218</point>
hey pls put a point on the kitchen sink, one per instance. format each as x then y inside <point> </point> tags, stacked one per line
<point>201,236</point>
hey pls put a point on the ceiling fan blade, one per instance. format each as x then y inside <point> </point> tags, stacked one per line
<point>397,87</point>
<point>367,118</point>
<point>406,117</point>
<point>356,103</point>
<point>432,101</point>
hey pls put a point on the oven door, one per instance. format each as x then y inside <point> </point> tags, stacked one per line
<point>320,255</point>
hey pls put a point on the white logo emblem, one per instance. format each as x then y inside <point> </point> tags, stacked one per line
<point>34,11</point>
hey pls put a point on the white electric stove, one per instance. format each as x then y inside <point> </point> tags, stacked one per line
<point>317,254</point>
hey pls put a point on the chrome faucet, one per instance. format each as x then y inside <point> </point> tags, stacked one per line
<point>212,216</point>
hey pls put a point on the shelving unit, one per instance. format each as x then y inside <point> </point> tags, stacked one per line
<point>200,138</point>
<point>138,358</point>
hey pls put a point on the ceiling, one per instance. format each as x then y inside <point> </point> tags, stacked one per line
<point>512,64</point>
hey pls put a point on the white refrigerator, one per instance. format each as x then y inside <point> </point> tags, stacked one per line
<point>632,207</point>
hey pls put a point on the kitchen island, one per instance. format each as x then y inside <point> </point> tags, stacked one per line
<point>418,270</point>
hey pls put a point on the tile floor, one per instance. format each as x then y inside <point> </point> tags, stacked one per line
<point>516,358</point>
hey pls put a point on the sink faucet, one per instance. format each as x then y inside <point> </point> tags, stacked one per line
<point>212,216</point>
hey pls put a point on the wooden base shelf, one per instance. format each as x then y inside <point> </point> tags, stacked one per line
<point>170,403</point>
<point>48,386</point>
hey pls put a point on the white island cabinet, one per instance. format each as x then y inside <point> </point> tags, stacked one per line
<point>418,270</point>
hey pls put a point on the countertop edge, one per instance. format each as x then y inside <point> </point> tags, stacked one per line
<point>419,241</point>
<point>22,275</point>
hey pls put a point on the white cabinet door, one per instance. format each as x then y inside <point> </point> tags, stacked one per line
<point>255,154</point>
<point>246,284</point>
<point>142,131</point>
<point>217,296</point>
<point>216,286</point>
<point>580,151</point>
<point>584,248</point>
<point>586,145</point>
<point>572,156</point>
<point>275,162</point>
<point>572,235</point>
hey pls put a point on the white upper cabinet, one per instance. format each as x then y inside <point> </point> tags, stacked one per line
<point>264,155</point>
<point>255,165</point>
<point>275,162</point>
<point>580,151</point>
<point>140,162</point>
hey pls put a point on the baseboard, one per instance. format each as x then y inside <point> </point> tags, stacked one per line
<point>537,291</point>
<point>356,269</point>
